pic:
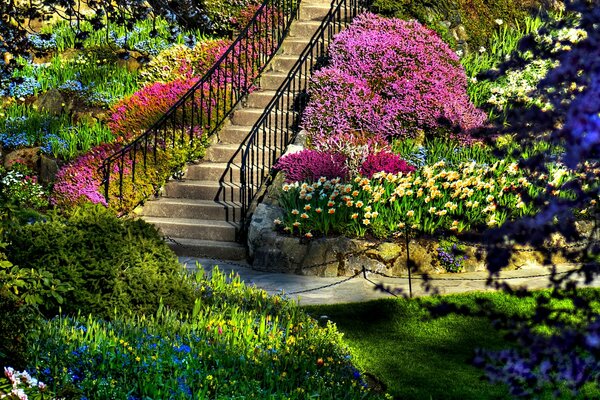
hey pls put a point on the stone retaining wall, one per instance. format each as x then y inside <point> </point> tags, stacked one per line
<point>341,256</point>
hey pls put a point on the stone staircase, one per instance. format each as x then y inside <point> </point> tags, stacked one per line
<point>200,213</point>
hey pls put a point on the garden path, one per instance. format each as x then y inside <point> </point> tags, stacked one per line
<point>309,290</point>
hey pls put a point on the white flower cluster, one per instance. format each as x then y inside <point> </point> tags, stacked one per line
<point>520,85</point>
<point>20,381</point>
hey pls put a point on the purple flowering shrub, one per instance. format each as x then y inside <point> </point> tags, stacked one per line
<point>390,77</point>
<point>384,161</point>
<point>310,165</point>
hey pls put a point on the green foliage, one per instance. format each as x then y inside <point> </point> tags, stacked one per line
<point>92,78</point>
<point>224,15</point>
<point>22,290</point>
<point>236,342</point>
<point>60,136</point>
<point>114,265</point>
<point>19,188</point>
<point>436,149</point>
<point>478,16</point>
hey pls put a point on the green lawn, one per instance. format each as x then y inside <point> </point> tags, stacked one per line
<point>416,357</point>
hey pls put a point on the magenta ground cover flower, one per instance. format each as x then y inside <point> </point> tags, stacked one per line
<point>310,165</point>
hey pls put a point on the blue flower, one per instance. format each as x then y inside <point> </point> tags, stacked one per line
<point>43,42</point>
<point>16,140</point>
<point>27,87</point>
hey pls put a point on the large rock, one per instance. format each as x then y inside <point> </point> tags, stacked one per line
<point>29,156</point>
<point>48,169</point>
<point>52,102</point>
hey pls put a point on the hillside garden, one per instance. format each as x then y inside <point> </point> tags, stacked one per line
<point>408,130</point>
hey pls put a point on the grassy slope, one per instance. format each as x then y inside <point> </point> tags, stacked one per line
<point>414,356</point>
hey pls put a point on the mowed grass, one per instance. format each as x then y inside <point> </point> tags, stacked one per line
<point>416,356</point>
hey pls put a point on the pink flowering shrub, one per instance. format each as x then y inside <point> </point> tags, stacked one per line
<point>384,161</point>
<point>390,77</point>
<point>355,146</point>
<point>310,165</point>
<point>80,180</point>
<point>136,113</point>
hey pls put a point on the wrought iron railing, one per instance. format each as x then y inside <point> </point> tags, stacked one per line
<point>206,105</point>
<point>278,125</point>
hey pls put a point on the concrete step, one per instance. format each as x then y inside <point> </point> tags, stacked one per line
<point>220,231</point>
<point>185,247</point>
<point>304,29</point>
<point>203,190</point>
<point>283,63</point>
<point>218,172</point>
<point>233,133</point>
<point>192,208</point>
<point>313,12</point>
<point>272,80</point>
<point>246,116</point>
<point>224,152</point>
<point>259,98</point>
<point>294,45</point>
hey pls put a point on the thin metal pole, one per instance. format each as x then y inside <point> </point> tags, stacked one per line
<point>408,262</point>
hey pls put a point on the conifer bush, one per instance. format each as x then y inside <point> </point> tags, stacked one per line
<point>113,264</point>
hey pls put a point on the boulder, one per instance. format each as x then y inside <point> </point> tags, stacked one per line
<point>29,156</point>
<point>48,169</point>
<point>52,102</point>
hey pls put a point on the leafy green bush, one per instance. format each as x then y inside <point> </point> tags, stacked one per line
<point>22,290</point>
<point>113,264</point>
<point>237,343</point>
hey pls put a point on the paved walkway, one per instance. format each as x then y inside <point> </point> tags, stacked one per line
<point>318,290</point>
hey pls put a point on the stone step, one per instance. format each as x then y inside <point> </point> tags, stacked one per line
<point>313,12</point>
<point>272,80</point>
<point>294,45</point>
<point>246,116</point>
<point>185,247</point>
<point>233,133</point>
<point>218,172</point>
<point>192,208</point>
<point>203,190</point>
<point>304,29</point>
<point>259,98</point>
<point>219,231</point>
<point>283,63</point>
<point>224,152</point>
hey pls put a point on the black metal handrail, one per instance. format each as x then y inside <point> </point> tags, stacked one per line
<point>278,125</point>
<point>206,105</point>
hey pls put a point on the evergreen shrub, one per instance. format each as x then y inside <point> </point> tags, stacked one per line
<point>112,264</point>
